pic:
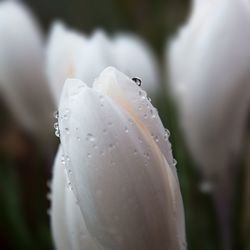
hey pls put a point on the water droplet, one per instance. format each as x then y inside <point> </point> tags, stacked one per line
<point>147,155</point>
<point>137,80</point>
<point>126,129</point>
<point>174,162</point>
<point>67,130</point>
<point>152,113</point>
<point>57,131</point>
<point>130,121</point>
<point>65,114</point>
<point>135,152</point>
<point>104,130</point>
<point>145,116</point>
<point>156,138</point>
<point>149,99</point>
<point>89,155</point>
<point>90,137</point>
<point>167,132</point>
<point>139,107</point>
<point>63,160</point>
<point>102,152</point>
<point>56,114</point>
<point>139,139</point>
<point>110,123</point>
<point>78,138</point>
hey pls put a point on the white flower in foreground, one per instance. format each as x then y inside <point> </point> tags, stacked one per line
<point>22,77</point>
<point>120,189</point>
<point>209,65</point>
<point>70,54</point>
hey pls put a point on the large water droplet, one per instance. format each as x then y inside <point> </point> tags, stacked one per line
<point>137,80</point>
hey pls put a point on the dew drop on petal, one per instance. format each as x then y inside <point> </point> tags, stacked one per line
<point>67,130</point>
<point>156,138</point>
<point>137,80</point>
<point>174,162</point>
<point>56,114</point>
<point>90,137</point>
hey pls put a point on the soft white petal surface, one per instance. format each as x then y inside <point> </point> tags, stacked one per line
<point>128,194</point>
<point>68,225</point>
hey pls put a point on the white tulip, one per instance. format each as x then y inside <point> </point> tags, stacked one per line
<point>119,167</point>
<point>209,65</point>
<point>22,73</point>
<point>70,54</point>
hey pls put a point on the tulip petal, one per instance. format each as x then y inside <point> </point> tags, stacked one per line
<point>58,222</point>
<point>134,100</point>
<point>22,78</point>
<point>68,225</point>
<point>127,192</point>
<point>134,57</point>
<point>63,56</point>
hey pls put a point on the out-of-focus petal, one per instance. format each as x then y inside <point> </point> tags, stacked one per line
<point>136,59</point>
<point>209,69</point>
<point>22,78</point>
<point>88,57</point>
<point>63,56</point>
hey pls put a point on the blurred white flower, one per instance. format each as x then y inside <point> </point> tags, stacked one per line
<point>115,185</point>
<point>209,64</point>
<point>22,71</point>
<point>71,54</point>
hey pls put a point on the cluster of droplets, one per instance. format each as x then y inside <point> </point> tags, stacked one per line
<point>65,162</point>
<point>63,116</point>
<point>56,125</point>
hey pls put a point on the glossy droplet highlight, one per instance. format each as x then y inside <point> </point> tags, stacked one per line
<point>56,114</point>
<point>137,80</point>
<point>90,137</point>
